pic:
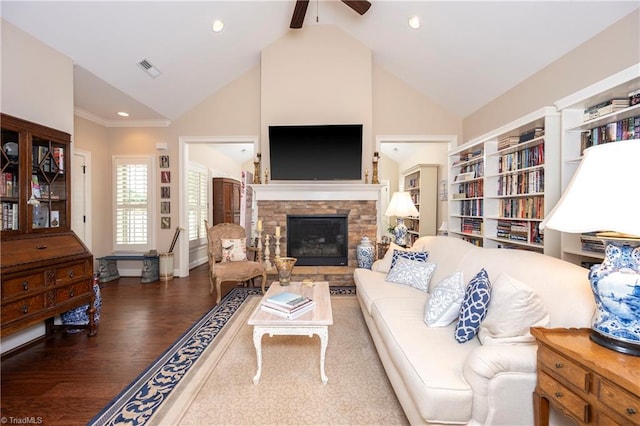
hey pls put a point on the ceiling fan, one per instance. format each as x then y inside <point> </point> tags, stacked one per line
<point>359,6</point>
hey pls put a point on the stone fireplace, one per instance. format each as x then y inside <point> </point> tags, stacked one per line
<point>357,202</point>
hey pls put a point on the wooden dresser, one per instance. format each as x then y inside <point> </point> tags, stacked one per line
<point>45,269</point>
<point>584,380</point>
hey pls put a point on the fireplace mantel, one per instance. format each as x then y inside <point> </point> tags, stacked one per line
<point>316,191</point>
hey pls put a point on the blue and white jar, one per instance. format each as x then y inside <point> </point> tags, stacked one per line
<point>365,253</point>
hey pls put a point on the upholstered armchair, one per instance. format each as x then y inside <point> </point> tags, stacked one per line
<point>228,257</point>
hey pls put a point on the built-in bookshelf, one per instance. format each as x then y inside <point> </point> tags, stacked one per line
<point>466,192</point>
<point>421,182</point>
<point>505,182</point>
<point>605,112</point>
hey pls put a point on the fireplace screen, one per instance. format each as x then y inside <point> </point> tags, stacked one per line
<point>318,240</point>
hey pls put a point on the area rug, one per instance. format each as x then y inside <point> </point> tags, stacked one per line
<point>206,376</point>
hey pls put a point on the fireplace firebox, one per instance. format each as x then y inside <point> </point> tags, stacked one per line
<point>318,240</point>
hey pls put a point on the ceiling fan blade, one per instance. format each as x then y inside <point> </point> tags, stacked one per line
<point>298,13</point>
<point>360,6</point>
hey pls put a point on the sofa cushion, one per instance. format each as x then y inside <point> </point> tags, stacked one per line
<point>444,301</point>
<point>419,256</point>
<point>389,259</point>
<point>429,360</point>
<point>474,306</point>
<point>234,249</point>
<point>414,273</point>
<point>515,308</point>
<point>372,286</point>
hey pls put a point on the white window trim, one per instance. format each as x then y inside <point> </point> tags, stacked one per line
<point>153,208</point>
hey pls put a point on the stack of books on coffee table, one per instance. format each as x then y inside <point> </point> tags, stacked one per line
<point>287,305</point>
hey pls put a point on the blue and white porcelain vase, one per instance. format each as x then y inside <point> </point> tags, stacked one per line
<point>616,288</point>
<point>79,316</point>
<point>365,253</point>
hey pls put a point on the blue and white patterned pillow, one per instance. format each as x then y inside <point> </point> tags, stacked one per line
<point>420,256</point>
<point>474,307</point>
<point>444,301</point>
<point>414,273</point>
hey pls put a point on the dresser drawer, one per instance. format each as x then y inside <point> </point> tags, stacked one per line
<point>564,397</point>
<point>620,401</point>
<point>565,368</point>
<point>19,286</point>
<point>72,272</point>
<point>22,308</point>
<point>72,291</point>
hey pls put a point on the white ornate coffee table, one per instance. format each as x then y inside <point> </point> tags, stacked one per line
<point>316,321</point>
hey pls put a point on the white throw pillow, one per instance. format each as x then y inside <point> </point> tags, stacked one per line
<point>234,249</point>
<point>444,301</point>
<point>384,264</point>
<point>414,273</point>
<point>514,308</point>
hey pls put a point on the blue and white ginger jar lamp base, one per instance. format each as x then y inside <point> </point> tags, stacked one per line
<point>616,288</point>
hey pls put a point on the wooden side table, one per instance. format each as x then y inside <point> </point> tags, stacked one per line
<point>381,250</point>
<point>587,382</point>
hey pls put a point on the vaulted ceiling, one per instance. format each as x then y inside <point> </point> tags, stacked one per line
<point>464,55</point>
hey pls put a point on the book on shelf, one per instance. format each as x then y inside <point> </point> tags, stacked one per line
<point>289,315</point>
<point>58,158</point>
<point>35,187</point>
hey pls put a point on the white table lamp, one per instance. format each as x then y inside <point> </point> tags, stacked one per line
<point>604,196</point>
<point>401,206</point>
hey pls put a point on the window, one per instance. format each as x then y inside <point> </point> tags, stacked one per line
<point>197,204</point>
<point>133,203</point>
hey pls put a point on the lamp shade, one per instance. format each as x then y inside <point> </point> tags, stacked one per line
<point>603,194</point>
<point>401,205</point>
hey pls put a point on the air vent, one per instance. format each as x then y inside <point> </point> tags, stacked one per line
<point>149,68</point>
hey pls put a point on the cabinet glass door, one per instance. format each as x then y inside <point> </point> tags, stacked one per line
<point>48,198</point>
<point>9,187</point>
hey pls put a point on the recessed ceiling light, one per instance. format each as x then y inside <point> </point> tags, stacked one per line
<point>217,26</point>
<point>123,114</point>
<point>414,22</point>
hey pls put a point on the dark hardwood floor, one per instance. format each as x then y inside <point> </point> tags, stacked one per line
<point>67,379</point>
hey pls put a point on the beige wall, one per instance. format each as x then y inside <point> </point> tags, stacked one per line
<point>614,49</point>
<point>317,76</point>
<point>399,109</point>
<point>94,138</point>
<point>37,81</point>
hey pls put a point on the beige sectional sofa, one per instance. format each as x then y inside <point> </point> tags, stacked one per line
<point>490,378</point>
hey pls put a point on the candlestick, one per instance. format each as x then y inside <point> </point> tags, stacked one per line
<point>374,177</point>
<point>260,225</point>
<point>366,176</point>
<point>267,253</point>
<point>266,176</point>
<point>277,238</point>
<point>259,258</point>
<point>277,231</point>
<point>256,169</point>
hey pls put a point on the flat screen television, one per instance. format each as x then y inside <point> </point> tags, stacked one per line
<point>316,152</point>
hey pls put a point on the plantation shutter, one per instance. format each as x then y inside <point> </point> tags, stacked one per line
<point>197,204</point>
<point>132,204</point>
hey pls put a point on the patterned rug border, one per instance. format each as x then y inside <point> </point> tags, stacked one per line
<point>150,389</point>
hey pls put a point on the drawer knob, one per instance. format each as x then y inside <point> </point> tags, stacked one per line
<point>631,411</point>
<point>25,285</point>
<point>25,309</point>
<point>558,394</point>
<point>71,273</point>
<point>71,293</point>
<point>559,365</point>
